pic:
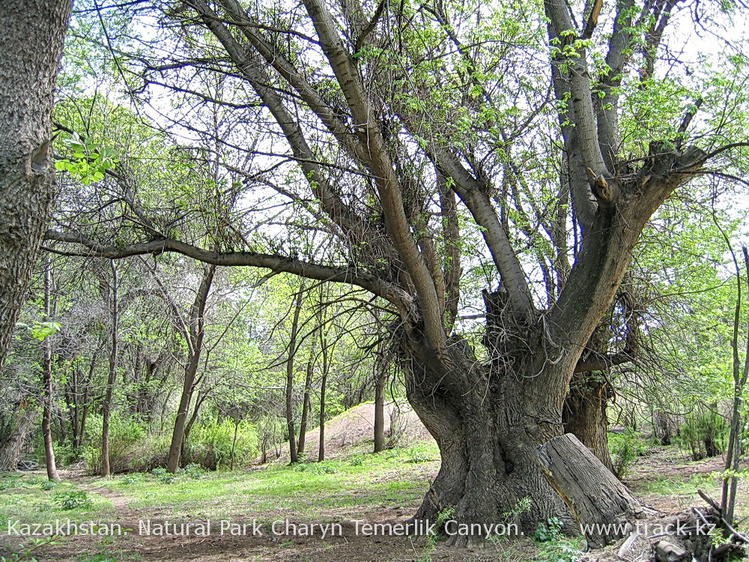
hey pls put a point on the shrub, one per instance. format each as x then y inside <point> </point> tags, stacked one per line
<point>211,445</point>
<point>67,455</point>
<point>416,454</point>
<point>703,434</point>
<point>192,470</point>
<point>167,479</point>
<point>624,449</point>
<point>131,447</point>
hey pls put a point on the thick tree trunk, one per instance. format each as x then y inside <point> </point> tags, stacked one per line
<point>488,426</point>
<point>31,39</point>
<point>379,411</point>
<point>12,447</point>
<point>584,414</point>
<point>489,419</point>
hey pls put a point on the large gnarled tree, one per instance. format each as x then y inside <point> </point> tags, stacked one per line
<point>407,120</point>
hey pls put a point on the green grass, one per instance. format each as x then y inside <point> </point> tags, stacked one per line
<point>387,479</point>
<point>679,486</point>
<point>33,499</point>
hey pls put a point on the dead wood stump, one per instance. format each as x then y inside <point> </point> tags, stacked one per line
<point>602,506</point>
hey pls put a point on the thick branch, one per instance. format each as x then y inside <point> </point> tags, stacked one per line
<point>279,264</point>
<point>562,30</point>
<point>388,187</point>
<point>477,201</point>
<point>253,71</point>
<point>607,107</point>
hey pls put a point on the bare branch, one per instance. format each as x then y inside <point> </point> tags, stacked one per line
<point>278,264</point>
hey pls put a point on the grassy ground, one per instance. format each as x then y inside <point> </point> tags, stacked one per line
<point>386,487</point>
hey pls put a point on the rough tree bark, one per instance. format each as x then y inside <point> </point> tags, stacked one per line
<point>584,413</point>
<point>31,39</point>
<point>579,477</point>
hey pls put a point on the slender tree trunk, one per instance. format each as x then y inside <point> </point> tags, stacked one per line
<point>82,404</point>
<point>84,417</point>
<point>234,444</point>
<point>306,403</point>
<point>740,376</point>
<point>323,382</point>
<point>193,418</point>
<point>195,412</point>
<point>31,39</point>
<point>63,437</point>
<point>71,398</point>
<point>49,450</point>
<point>298,302</point>
<point>195,337</point>
<point>12,447</point>
<point>47,377</point>
<point>106,413</point>
<point>379,410</point>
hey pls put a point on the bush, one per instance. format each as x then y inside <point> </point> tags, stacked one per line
<point>704,433</point>
<point>68,455</point>
<point>192,470</point>
<point>624,449</point>
<point>210,445</point>
<point>131,447</point>
<point>73,500</point>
